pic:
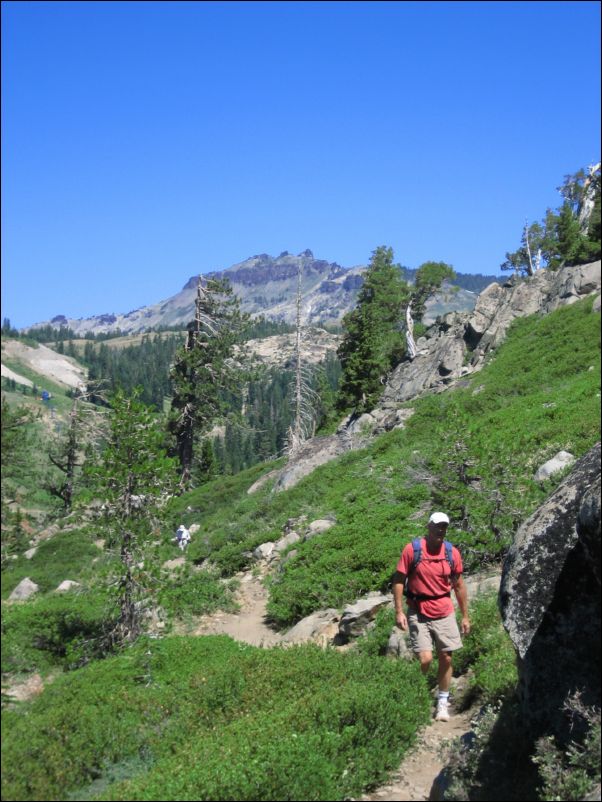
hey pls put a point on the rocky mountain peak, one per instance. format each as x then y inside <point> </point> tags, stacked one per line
<point>267,286</point>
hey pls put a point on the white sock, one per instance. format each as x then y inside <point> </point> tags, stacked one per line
<point>444,696</point>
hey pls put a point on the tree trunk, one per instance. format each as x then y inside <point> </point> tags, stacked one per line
<point>411,345</point>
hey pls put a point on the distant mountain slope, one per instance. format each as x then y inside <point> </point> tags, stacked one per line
<point>43,362</point>
<point>267,286</point>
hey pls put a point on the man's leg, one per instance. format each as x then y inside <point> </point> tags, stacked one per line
<point>426,658</point>
<point>445,670</point>
<point>444,676</point>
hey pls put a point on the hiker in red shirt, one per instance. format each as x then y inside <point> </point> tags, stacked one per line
<point>427,571</point>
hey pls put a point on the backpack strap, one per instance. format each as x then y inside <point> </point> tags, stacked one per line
<point>449,556</point>
<point>417,546</point>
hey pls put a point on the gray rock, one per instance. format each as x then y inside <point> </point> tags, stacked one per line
<point>24,590</point>
<point>313,453</point>
<point>558,463</point>
<point>550,602</point>
<point>397,645</point>
<point>286,541</point>
<point>30,553</point>
<point>456,336</point>
<point>318,626</point>
<point>356,617</point>
<point>263,480</point>
<point>318,526</point>
<point>588,526</point>
<point>363,425</point>
<point>482,583</point>
<point>66,585</point>
<point>264,551</point>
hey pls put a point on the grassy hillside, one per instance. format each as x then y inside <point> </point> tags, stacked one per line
<point>25,488</point>
<point>208,718</point>
<point>540,394</point>
<point>299,723</point>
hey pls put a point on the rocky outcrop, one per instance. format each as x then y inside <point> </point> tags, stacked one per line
<point>454,348</point>
<point>312,453</point>
<point>457,344</point>
<point>296,530</point>
<point>321,627</point>
<point>550,600</point>
<point>358,616</point>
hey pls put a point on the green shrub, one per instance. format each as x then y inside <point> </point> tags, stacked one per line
<point>55,630</point>
<point>488,651</point>
<point>376,639</point>
<point>196,593</point>
<point>574,772</point>
<point>205,718</point>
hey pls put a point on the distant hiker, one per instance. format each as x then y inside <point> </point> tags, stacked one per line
<point>182,537</point>
<point>427,570</point>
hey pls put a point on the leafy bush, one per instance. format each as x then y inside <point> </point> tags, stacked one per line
<point>209,718</point>
<point>574,772</point>
<point>375,640</point>
<point>489,652</point>
<point>54,630</point>
<point>196,593</point>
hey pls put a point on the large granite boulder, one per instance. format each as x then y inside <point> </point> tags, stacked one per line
<point>550,601</point>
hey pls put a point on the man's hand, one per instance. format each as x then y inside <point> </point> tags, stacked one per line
<point>401,621</point>
<point>465,626</point>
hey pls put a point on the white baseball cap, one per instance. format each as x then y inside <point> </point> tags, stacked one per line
<point>439,518</point>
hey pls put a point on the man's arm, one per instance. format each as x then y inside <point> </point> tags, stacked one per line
<point>398,586</point>
<point>462,597</point>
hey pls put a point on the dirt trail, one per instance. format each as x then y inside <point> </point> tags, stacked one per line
<point>247,625</point>
<point>414,778</point>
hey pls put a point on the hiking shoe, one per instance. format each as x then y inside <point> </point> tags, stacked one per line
<point>442,711</point>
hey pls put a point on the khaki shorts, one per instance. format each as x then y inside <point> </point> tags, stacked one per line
<point>443,632</point>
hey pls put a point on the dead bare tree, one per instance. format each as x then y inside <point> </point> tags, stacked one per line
<point>410,344</point>
<point>591,186</point>
<point>84,428</point>
<point>304,397</point>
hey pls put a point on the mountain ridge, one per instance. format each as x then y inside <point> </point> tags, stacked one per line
<point>267,286</point>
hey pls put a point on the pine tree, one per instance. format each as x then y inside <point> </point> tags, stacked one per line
<point>372,342</point>
<point>569,236</point>
<point>16,448</point>
<point>67,453</point>
<point>136,478</point>
<point>204,369</point>
<point>429,278</point>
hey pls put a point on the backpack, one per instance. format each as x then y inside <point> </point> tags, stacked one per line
<point>417,546</point>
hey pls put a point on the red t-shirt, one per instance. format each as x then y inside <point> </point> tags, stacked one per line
<point>431,578</point>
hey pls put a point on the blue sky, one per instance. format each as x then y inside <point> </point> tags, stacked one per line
<point>143,143</point>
